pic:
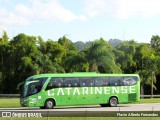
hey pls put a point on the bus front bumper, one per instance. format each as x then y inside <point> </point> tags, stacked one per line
<point>30,102</point>
<point>24,102</point>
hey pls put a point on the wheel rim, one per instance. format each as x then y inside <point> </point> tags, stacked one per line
<point>113,101</point>
<point>50,104</point>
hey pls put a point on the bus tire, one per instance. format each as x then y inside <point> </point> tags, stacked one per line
<point>113,101</point>
<point>49,104</point>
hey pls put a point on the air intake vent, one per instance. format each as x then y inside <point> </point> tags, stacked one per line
<point>132,97</point>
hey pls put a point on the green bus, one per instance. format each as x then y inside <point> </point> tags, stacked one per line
<point>81,88</point>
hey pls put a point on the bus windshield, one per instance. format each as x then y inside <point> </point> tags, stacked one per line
<point>33,87</point>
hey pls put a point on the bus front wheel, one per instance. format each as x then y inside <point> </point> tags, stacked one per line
<point>49,104</point>
<point>113,101</point>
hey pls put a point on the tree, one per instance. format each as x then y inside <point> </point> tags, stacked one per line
<point>70,51</point>
<point>101,58</point>
<point>21,64</point>
<point>67,44</point>
<point>146,65</point>
<point>4,49</point>
<point>155,42</point>
<point>76,62</point>
<point>55,52</point>
<point>42,45</point>
<point>124,56</point>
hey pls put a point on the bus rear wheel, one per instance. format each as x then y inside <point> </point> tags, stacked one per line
<point>113,101</point>
<point>49,104</point>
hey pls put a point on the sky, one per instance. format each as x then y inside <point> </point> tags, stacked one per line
<point>81,20</point>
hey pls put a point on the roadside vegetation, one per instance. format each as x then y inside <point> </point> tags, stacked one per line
<point>23,56</point>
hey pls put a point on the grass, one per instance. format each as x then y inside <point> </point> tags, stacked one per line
<point>9,102</point>
<point>150,100</point>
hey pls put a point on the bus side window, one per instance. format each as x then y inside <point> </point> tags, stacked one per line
<point>116,81</point>
<point>54,83</point>
<point>130,81</point>
<point>90,82</point>
<point>50,85</point>
<point>75,82</point>
<point>83,84</point>
<point>86,82</point>
<point>71,82</point>
<point>105,81</point>
<point>67,82</point>
<point>113,81</point>
<point>58,82</point>
<point>98,82</point>
<point>102,81</point>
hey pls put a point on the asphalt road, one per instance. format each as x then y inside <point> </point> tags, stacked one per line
<point>120,107</point>
<point>135,110</point>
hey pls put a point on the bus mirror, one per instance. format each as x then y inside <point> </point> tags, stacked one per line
<point>19,85</point>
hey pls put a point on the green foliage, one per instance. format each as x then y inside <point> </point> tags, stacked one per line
<point>66,43</point>
<point>124,56</point>
<point>155,42</point>
<point>55,51</point>
<point>76,62</point>
<point>23,56</point>
<point>146,77</point>
<point>101,58</point>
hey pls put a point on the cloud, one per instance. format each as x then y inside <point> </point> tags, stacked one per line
<point>37,10</point>
<point>11,18</point>
<point>53,10</point>
<point>122,8</point>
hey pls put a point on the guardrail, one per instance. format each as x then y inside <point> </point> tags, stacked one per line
<point>17,95</point>
<point>149,96</point>
<point>9,95</point>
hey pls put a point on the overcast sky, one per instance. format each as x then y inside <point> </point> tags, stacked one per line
<point>82,20</point>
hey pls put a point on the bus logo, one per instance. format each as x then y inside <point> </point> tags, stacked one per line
<point>6,114</point>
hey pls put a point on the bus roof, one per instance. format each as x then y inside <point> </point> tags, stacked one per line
<point>77,74</point>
